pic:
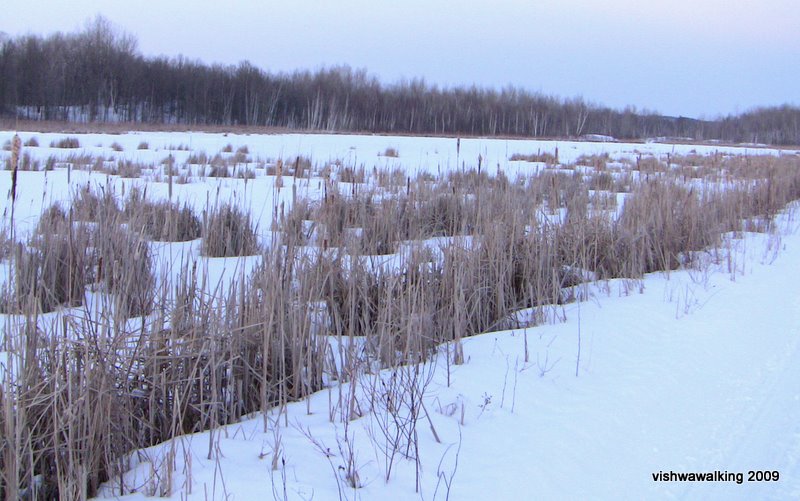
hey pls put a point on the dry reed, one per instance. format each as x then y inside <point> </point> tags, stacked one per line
<point>157,357</point>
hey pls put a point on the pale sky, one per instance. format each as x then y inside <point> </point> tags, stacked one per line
<point>679,57</point>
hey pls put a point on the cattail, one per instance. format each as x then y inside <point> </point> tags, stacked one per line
<point>170,163</point>
<point>15,150</point>
<point>279,174</point>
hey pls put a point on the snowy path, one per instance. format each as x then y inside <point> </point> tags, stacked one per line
<point>716,387</point>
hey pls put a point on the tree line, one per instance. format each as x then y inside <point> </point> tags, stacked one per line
<point>98,75</point>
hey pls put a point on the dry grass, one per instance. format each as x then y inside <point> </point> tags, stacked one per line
<point>95,204</point>
<point>127,169</point>
<point>352,175</point>
<point>52,269</point>
<point>197,159</point>
<point>245,173</point>
<point>601,181</point>
<point>6,243</point>
<point>124,270</point>
<point>80,160</point>
<point>242,155</point>
<point>160,221</point>
<point>543,157</point>
<point>197,355</point>
<point>66,143</point>
<point>23,163</point>
<point>219,170</point>
<point>227,232</point>
<point>598,162</point>
<point>299,167</point>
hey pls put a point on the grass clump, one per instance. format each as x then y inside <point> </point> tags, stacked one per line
<point>64,255</point>
<point>52,218</point>
<point>219,170</point>
<point>543,157</point>
<point>66,143</point>
<point>601,181</point>
<point>351,175</point>
<point>6,243</point>
<point>241,158</point>
<point>242,155</point>
<point>25,163</point>
<point>598,162</point>
<point>301,167</point>
<point>95,204</point>
<point>127,169</point>
<point>52,269</point>
<point>245,174</point>
<point>125,270</point>
<point>228,231</point>
<point>219,167</point>
<point>197,159</point>
<point>32,143</point>
<point>160,221</point>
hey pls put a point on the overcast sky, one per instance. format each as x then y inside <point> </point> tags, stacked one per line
<point>679,57</point>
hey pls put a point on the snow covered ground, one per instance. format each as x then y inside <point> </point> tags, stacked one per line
<point>695,371</point>
<point>414,154</point>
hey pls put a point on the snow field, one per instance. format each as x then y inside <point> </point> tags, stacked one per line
<point>689,371</point>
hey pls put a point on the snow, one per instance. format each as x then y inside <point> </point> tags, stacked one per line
<point>691,371</point>
<point>428,153</point>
